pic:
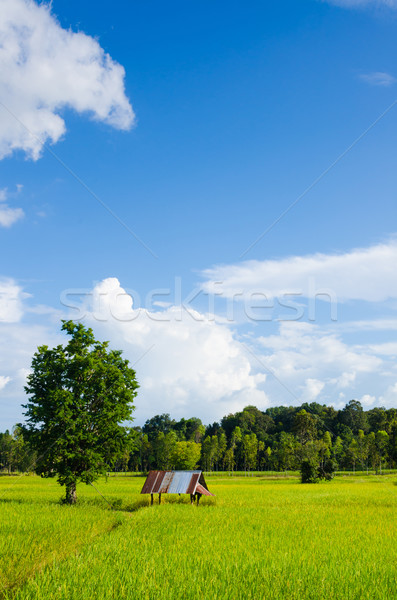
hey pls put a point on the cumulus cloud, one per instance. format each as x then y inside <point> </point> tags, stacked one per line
<point>8,215</point>
<point>367,401</point>
<point>187,363</point>
<point>11,301</point>
<point>314,365</point>
<point>378,78</point>
<point>362,274</point>
<point>305,349</point>
<point>313,388</point>
<point>44,69</point>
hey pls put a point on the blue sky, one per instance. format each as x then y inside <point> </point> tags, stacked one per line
<point>198,126</point>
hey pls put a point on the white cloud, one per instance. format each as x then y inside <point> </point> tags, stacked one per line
<point>8,215</point>
<point>309,364</point>
<point>385,349</point>
<point>190,365</point>
<point>346,380</point>
<point>44,69</point>
<point>389,398</point>
<point>11,297</point>
<point>313,388</point>
<point>193,366</point>
<point>362,274</point>
<point>367,400</point>
<point>363,3</point>
<point>303,348</point>
<point>3,381</point>
<point>369,325</point>
<point>379,78</point>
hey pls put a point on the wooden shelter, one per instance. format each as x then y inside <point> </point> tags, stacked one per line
<point>176,482</point>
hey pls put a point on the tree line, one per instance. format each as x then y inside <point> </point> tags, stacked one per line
<point>277,439</point>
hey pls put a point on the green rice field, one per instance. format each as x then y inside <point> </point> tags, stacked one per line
<point>262,537</point>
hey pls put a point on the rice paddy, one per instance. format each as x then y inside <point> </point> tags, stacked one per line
<point>260,538</point>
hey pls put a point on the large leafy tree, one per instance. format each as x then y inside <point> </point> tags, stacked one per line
<point>81,394</point>
<point>353,416</point>
<point>186,455</point>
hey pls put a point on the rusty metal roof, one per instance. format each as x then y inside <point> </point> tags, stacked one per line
<point>175,482</point>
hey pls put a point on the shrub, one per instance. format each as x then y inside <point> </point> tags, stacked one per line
<point>312,471</point>
<point>309,470</point>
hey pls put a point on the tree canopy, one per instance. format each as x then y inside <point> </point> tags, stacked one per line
<point>81,395</point>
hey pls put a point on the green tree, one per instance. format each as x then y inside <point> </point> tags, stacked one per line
<point>235,444</point>
<point>185,455</point>
<point>159,423</point>
<point>377,419</point>
<point>338,450</point>
<point>145,452</point>
<point>7,454</point>
<point>261,450</point>
<point>214,450</point>
<point>222,445</point>
<point>268,457</point>
<point>353,453</point>
<point>381,440</point>
<point>354,417</point>
<point>362,443</point>
<point>286,450</point>
<point>229,459</point>
<point>250,451</point>
<point>373,451</point>
<point>80,396</point>
<point>305,426</point>
<point>327,440</point>
<point>309,470</point>
<point>209,452</point>
<point>163,447</point>
<point>316,465</point>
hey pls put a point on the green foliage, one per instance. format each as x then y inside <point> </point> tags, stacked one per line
<point>164,447</point>
<point>80,396</point>
<point>250,450</point>
<point>327,469</point>
<point>354,417</point>
<point>158,424</point>
<point>316,467</point>
<point>15,453</point>
<point>305,426</point>
<point>309,470</point>
<point>284,436</point>
<point>186,455</point>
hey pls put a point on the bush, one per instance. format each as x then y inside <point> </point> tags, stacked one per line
<point>312,471</point>
<point>309,470</point>
<point>327,469</point>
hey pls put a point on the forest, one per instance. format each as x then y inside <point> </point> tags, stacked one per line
<point>277,439</point>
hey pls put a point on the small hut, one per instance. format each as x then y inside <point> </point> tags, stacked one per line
<point>176,482</point>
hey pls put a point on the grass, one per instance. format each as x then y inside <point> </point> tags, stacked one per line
<point>262,538</point>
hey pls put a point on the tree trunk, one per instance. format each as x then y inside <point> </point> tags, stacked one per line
<point>71,496</point>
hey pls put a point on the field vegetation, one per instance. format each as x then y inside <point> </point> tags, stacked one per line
<point>261,537</point>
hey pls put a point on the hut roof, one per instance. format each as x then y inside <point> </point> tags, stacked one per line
<point>175,482</point>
